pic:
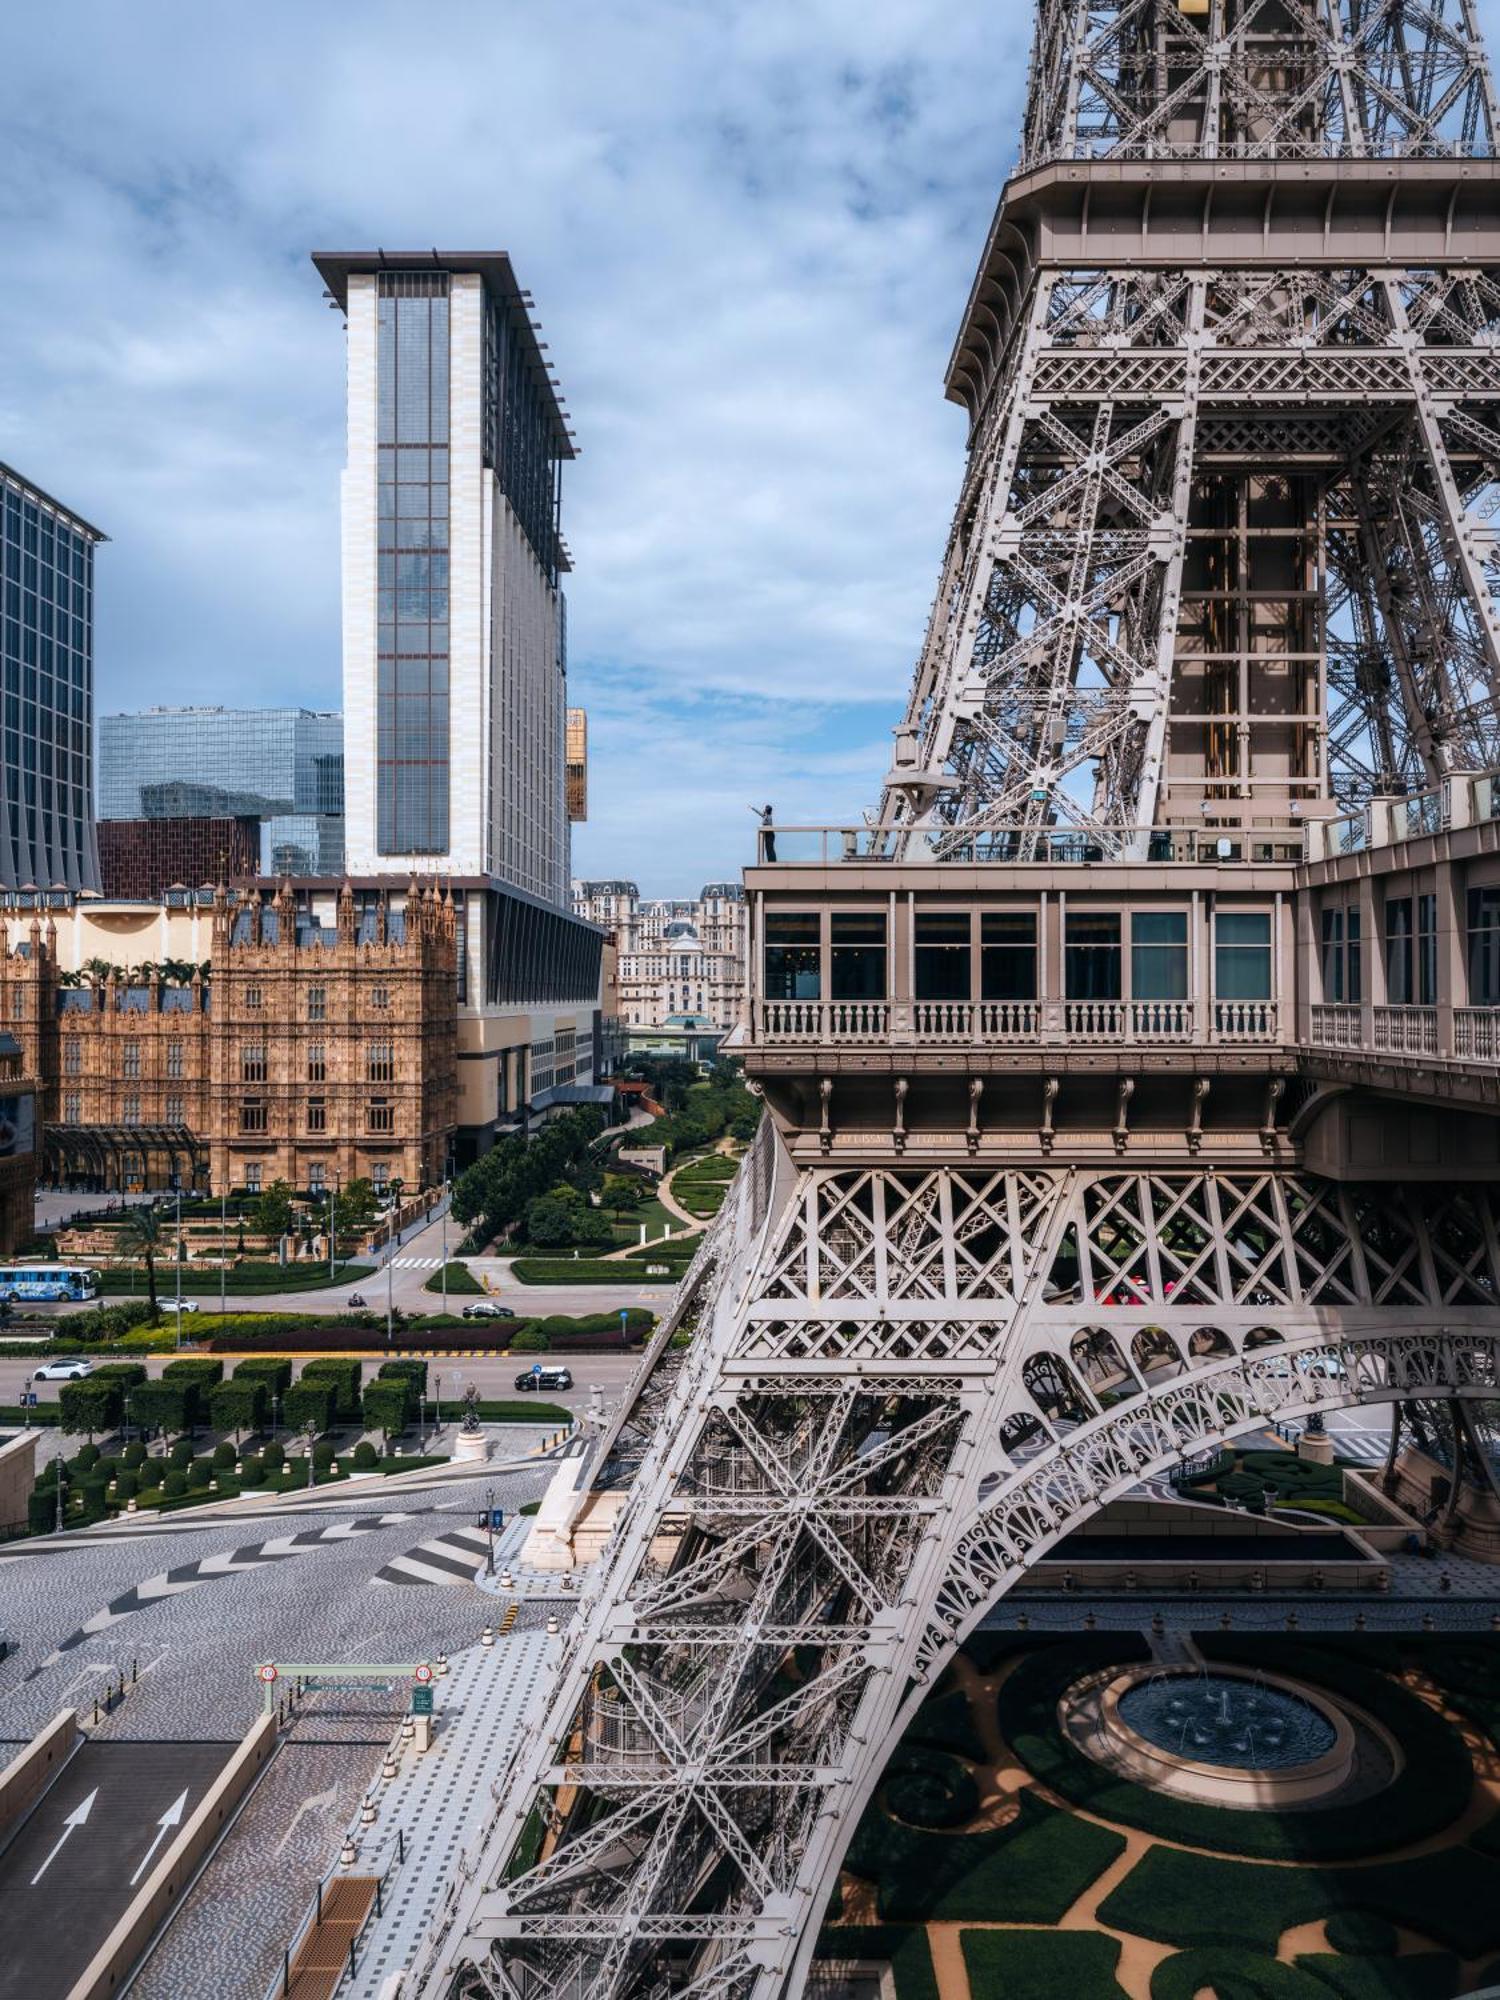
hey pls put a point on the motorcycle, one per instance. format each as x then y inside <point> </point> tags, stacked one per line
<point>356,1298</point>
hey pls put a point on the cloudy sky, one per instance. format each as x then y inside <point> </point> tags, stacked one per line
<point>749,226</point>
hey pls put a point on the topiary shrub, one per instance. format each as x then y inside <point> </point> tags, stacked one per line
<point>133,1456</point>
<point>127,1486</point>
<point>530,1340</point>
<point>252,1471</point>
<point>930,1788</point>
<point>149,1473</point>
<point>1361,1931</point>
<point>200,1472</point>
<point>273,1458</point>
<point>181,1455</point>
<point>175,1484</point>
<point>224,1457</point>
<point>365,1455</point>
<point>323,1455</point>
<point>86,1458</point>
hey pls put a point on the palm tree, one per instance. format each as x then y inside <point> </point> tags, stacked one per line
<point>143,1234</point>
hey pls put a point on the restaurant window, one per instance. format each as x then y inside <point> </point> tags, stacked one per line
<point>1343,970</point>
<point>942,955</point>
<point>1159,955</point>
<point>1484,947</point>
<point>1007,955</point>
<point>1091,957</point>
<point>791,960</point>
<point>1242,955</point>
<point>1398,951</point>
<point>857,956</point>
<point>1427,951</point>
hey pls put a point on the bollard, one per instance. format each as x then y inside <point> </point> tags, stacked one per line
<point>507,1582</point>
<point>1291,1621</point>
<point>346,1852</point>
<point>367,1812</point>
<point>1359,1621</point>
<point>135,1670</point>
<point>553,1628</point>
<point>1429,1623</point>
<point>388,1768</point>
<point>286,1972</point>
<point>400,1845</point>
<point>1089,1621</point>
<point>440,1665</point>
<point>1224,1621</point>
<point>487,1636</point>
<point>320,1902</point>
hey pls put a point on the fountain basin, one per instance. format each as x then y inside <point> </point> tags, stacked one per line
<point>1231,1737</point>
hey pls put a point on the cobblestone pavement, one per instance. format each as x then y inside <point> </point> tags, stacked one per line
<point>227,1939</point>
<point>195,1651</point>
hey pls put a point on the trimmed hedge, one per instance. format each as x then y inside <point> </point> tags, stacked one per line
<point>1029,1872</point>
<point>343,1377</point>
<point>1421,1975</point>
<point>1361,1932</point>
<point>388,1405</point>
<point>1232,1975</point>
<point>414,1372</point>
<point>905,1951</point>
<point>238,1406</point>
<point>1431,1790</point>
<point>946,1722</point>
<point>90,1405</point>
<point>929,1788</point>
<point>1197,1900</point>
<point>309,1402</point>
<point>160,1406</point>
<point>271,1369</point>
<point>1040,1965</point>
<point>590,1271</point>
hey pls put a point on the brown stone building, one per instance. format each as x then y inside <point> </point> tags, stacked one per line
<point>310,1054</point>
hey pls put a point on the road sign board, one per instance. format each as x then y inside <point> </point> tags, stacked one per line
<point>267,1672</point>
<point>536,1367</point>
<point>497,1518</point>
<point>422,1673</point>
<point>421,1701</point>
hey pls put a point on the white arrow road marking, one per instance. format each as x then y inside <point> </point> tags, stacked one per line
<point>170,1818</point>
<point>76,1817</point>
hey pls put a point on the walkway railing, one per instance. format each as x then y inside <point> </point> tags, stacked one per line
<point>997,1023</point>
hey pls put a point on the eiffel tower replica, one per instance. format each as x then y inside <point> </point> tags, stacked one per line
<point>1132,1072</point>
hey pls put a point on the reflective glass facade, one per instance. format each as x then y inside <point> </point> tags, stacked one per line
<point>412,613</point>
<point>47,672</point>
<point>282,766</point>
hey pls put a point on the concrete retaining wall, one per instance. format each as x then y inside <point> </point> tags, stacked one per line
<point>159,1893</point>
<point>28,1774</point>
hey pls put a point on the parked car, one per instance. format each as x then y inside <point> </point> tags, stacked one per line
<point>545,1378</point>
<point>178,1305</point>
<point>487,1309</point>
<point>66,1368</point>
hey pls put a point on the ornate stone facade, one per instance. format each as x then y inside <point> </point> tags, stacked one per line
<point>310,1054</point>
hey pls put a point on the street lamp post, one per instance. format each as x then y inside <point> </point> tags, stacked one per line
<point>437,1391</point>
<point>61,1483</point>
<point>390,1285</point>
<point>310,1432</point>
<point>178,1179</point>
<point>26,1398</point>
<point>275,1415</point>
<point>332,1233</point>
<point>489,1523</point>
<point>224,1244</point>
<point>422,1421</point>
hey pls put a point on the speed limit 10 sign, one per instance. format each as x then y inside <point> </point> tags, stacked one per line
<point>423,1673</point>
<point>267,1672</point>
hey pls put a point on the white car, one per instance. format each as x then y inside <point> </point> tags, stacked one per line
<point>178,1305</point>
<point>66,1368</point>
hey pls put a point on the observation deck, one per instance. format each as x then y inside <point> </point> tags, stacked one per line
<point>1162,987</point>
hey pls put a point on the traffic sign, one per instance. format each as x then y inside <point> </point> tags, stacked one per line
<point>536,1367</point>
<point>421,1701</point>
<point>497,1518</point>
<point>422,1674</point>
<point>267,1672</point>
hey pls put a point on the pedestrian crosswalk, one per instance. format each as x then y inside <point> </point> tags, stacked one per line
<point>452,1558</point>
<point>1357,1445</point>
<point>417,1263</point>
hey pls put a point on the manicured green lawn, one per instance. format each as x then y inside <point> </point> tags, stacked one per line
<point>1041,1965</point>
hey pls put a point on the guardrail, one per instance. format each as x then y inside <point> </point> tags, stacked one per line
<point>1000,1023</point>
<point>1268,841</point>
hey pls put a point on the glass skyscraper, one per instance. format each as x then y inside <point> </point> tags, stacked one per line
<point>282,766</point>
<point>47,667</point>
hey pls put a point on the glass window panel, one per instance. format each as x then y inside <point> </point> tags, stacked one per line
<point>1158,955</point>
<point>1242,956</point>
<point>1091,957</point>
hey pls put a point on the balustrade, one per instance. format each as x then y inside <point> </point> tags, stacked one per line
<point>1407,1031</point>
<point>1476,1033</point>
<point>1335,1026</point>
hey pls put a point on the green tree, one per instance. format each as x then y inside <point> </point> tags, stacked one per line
<point>142,1236</point>
<point>549,1223</point>
<point>388,1404</point>
<point>90,1406</point>
<point>238,1406</point>
<point>160,1406</point>
<point>309,1402</point>
<point>354,1211</point>
<point>274,1213</point>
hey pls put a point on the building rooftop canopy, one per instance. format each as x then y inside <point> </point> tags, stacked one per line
<point>335,268</point>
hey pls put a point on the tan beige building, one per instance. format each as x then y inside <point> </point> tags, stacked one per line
<point>232,1042</point>
<point>677,962</point>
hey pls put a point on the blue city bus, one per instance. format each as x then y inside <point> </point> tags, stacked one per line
<point>48,1281</point>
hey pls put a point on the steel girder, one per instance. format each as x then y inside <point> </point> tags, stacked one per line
<point>906,1386</point>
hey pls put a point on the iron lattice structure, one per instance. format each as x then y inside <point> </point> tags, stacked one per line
<point>1224,548</point>
<point>1226,540</point>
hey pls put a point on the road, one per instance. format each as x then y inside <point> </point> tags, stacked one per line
<point>90,1840</point>
<point>447,1376</point>
<point>402,1280</point>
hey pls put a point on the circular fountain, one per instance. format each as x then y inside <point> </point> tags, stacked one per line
<point>1223,1735</point>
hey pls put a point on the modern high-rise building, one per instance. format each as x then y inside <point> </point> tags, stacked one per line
<point>47,666</point>
<point>455,658</point>
<point>281,766</point>
<point>454,626</point>
<point>578,766</point>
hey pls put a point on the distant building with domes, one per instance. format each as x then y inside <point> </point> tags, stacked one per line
<point>679,965</point>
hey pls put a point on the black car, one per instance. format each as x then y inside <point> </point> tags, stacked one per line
<point>487,1309</point>
<point>545,1378</point>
